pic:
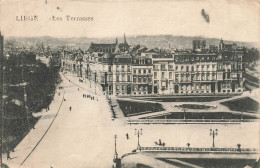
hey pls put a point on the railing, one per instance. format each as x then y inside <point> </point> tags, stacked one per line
<point>186,149</point>
<point>181,121</point>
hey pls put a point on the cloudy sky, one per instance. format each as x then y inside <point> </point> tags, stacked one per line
<point>231,20</point>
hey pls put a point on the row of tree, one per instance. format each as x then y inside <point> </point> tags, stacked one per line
<point>29,87</point>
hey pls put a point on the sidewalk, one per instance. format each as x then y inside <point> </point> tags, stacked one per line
<point>101,98</point>
<point>33,138</point>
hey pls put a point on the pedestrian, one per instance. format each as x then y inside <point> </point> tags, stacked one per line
<point>127,136</point>
<point>70,108</point>
<point>78,89</point>
<point>59,93</point>
<point>69,80</point>
<point>163,144</point>
<point>160,142</point>
<point>64,99</point>
<point>8,155</point>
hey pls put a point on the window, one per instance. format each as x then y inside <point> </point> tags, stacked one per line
<point>144,79</point>
<point>181,67</point>
<point>110,78</point>
<point>228,85</point>
<point>198,76</point>
<point>134,71</point>
<point>123,87</point>
<point>128,78</point>
<point>163,66</point>
<point>213,67</point>
<point>170,67</point>
<point>155,67</point>
<point>213,76</point>
<point>192,69</point>
<point>123,68</point>
<point>149,71</point>
<point>134,80</point>
<point>117,87</point>
<point>139,79</point>
<point>163,75</point>
<point>109,68</point>
<point>144,71</point>
<point>176,68</point>
<point>139,71</point>
<point>123,78</point>
<point>197,86</point>
<point>176,77</point>
<point>198,67</point>
<point>203,76</point>
<point>208,76</point>
<point>170,75</point>
<point>117,78</point>
<point>128,68</point>
<point>155,75</point>
<point>149,79</point>
<point>207,66</point>
<point>192,77</point>
<point>117,68</point>
<point>187,68</point>
<point>240,66</point>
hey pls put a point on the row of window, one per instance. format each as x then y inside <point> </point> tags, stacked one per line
<point>142,79</point>
<point>142,71</point>
<point>170,67</point>
<point>123,78</point>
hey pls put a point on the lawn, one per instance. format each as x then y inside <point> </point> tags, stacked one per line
<point>186,98</point>
<point>244,104</point>
<point>136,108</point>
<point>199,115</point>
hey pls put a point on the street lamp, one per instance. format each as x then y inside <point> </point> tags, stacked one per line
<point>115,155</point>
<point>184,110</point>
<point>138,133</point>
<point>213,133</point>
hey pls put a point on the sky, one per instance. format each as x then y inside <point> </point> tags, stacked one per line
<point>231,20</point>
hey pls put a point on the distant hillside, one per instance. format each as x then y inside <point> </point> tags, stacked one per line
<point>151,41</point>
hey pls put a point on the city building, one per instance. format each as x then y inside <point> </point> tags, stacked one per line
<point>163,73</point>
<point>142,75</point>
<point>123,70</point>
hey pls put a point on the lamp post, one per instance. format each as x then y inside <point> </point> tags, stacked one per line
<point>115,155</point>
<point>116,160</point>
<point>213,133</point>
<point>184,110</point>
<point>95,82</point>
<point>138,133</point>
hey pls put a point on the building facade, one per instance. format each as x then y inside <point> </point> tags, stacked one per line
<point>213,70</point>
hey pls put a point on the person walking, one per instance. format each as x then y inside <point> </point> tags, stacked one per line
<point>8,155</point>
<point>70,108</point>
<point>127,136</point>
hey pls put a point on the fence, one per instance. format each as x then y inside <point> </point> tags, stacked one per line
<point>187,121</point>
<point>186,149</point>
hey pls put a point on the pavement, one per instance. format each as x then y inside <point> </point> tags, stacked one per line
<point>84,136</point>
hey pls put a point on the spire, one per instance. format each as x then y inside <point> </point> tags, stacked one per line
<point>116,41</point>
<point>124,39</point>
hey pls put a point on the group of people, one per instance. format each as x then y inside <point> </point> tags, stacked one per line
<point>160,143</point>
<point>89,96</point>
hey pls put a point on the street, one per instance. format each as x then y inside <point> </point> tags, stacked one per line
<point>84,136</point>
